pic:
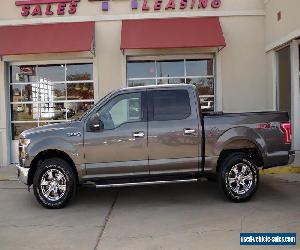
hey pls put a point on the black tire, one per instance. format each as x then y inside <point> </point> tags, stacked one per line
<point>233,183</point>
<point>63,190</point>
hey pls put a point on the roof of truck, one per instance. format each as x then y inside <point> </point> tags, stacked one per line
<point>160,86</point>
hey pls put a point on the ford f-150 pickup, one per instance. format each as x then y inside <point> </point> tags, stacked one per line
<point>153,135</point>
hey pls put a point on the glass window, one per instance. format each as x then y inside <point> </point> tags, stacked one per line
<point>142,82</point>
<point>79,72</point>
<point>170,68</point>
<point>51,73</point>
<point>199,67</point>
<point>75,110</point>
<point>199,72</point>
<point>121,109</point>
<point>52,111</point>
<point>80,91</point>
<point>23,73</point>
<point>171,81</point>
<point>171,105</point>
<point>18,128</point>
<point>23,92</point>
<point>141,69</point>
<point>24,112</point>
<point>50,93</point>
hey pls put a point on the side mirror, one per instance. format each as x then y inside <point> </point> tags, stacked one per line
<point>95,124</point>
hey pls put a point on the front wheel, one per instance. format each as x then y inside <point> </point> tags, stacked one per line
<point>54,183</point>
<point>238,177</point>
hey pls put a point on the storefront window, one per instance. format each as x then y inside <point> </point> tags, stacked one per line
<point>199,72</point>
<point>43,94</point>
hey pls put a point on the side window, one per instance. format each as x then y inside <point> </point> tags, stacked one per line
<point>171,105</point>
<point>121,109</point>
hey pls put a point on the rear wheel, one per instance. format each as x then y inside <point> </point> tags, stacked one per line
<point>54,183</point>
<point>238,177</point>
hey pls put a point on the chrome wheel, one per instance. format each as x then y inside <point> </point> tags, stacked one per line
<point>53,184</point>
<point>240,178</point>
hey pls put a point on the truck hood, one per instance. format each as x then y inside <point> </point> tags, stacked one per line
<point>44,129</point>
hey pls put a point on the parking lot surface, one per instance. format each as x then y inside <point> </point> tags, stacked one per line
<point>175,216</point>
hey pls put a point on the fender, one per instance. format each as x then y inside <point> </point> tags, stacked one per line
<point>240,133</point>
<point>54,143</point>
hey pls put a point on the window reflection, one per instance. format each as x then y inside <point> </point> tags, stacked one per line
<point>22,73</point>
<point>205,90</point>
<point>141,69</point>
<point>75,110</point>
<point>171,81</point>
<point>49,92</point>
<point>52,111</point>
<point>170,68</point>
<point>79,72</point>
<point>135,83</point>
<point>199,67</point>
<point>45,96</point>
<point>23,93</point>
<point>199,72</point>
<point>79,91</point>
<point>24,112</point>
<point>53,73</point>
<point>18,128</point>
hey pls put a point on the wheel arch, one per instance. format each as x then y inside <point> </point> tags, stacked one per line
<point>244,146</point>
<point>47,154</point>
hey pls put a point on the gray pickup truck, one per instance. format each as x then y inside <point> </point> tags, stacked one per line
<point>152,135</point>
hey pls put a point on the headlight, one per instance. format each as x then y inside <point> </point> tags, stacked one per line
<point>24,142</point>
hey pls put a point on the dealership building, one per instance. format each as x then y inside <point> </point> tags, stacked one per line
<point>58,57</point>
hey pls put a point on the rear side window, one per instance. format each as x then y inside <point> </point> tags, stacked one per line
<point>171,105</point>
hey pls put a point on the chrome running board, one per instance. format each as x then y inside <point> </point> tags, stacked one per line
<point>144,183</point>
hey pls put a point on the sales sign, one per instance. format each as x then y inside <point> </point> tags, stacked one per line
<point>51,7</point>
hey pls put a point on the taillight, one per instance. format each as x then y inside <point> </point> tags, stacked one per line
<point>286,130</point>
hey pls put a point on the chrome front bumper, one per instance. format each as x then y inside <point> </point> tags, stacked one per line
<point>23,174</point>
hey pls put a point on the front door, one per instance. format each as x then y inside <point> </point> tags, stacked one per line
<point>120,146</point>
<point>173,132</point>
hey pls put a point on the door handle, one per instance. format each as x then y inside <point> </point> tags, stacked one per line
<point>139,134</point>
<point>188,131</point>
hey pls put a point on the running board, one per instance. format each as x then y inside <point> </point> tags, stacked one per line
<point>144,183</point>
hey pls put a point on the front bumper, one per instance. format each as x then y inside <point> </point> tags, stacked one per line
<point>23,174</point>
<point>292,156</point>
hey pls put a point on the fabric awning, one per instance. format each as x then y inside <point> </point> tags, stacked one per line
<point>46,38</point>
<point>172,33</point>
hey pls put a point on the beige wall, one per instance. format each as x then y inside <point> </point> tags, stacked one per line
<point>109,56</point>
<point>289,23</point>
<point>243,65</point>
<point>3,120</point>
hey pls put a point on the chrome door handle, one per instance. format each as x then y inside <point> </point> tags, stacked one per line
<point>188,131</point>
<point>139,134</point>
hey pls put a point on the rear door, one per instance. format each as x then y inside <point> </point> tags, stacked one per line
<point>173,131</point>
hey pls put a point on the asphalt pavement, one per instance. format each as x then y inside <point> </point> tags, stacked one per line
<point>174,216</point>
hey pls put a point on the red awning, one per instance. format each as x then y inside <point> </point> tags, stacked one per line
<point>172,33</point>
<point>46,38</point>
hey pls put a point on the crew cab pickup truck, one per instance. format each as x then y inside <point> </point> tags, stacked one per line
<point>152,135</point>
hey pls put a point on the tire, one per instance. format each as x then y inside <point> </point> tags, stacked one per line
<point>212,177</point>
<point>54,183</point>
<point>238,177</point>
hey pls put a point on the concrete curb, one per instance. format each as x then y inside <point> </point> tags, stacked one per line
<point>281,170</point>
